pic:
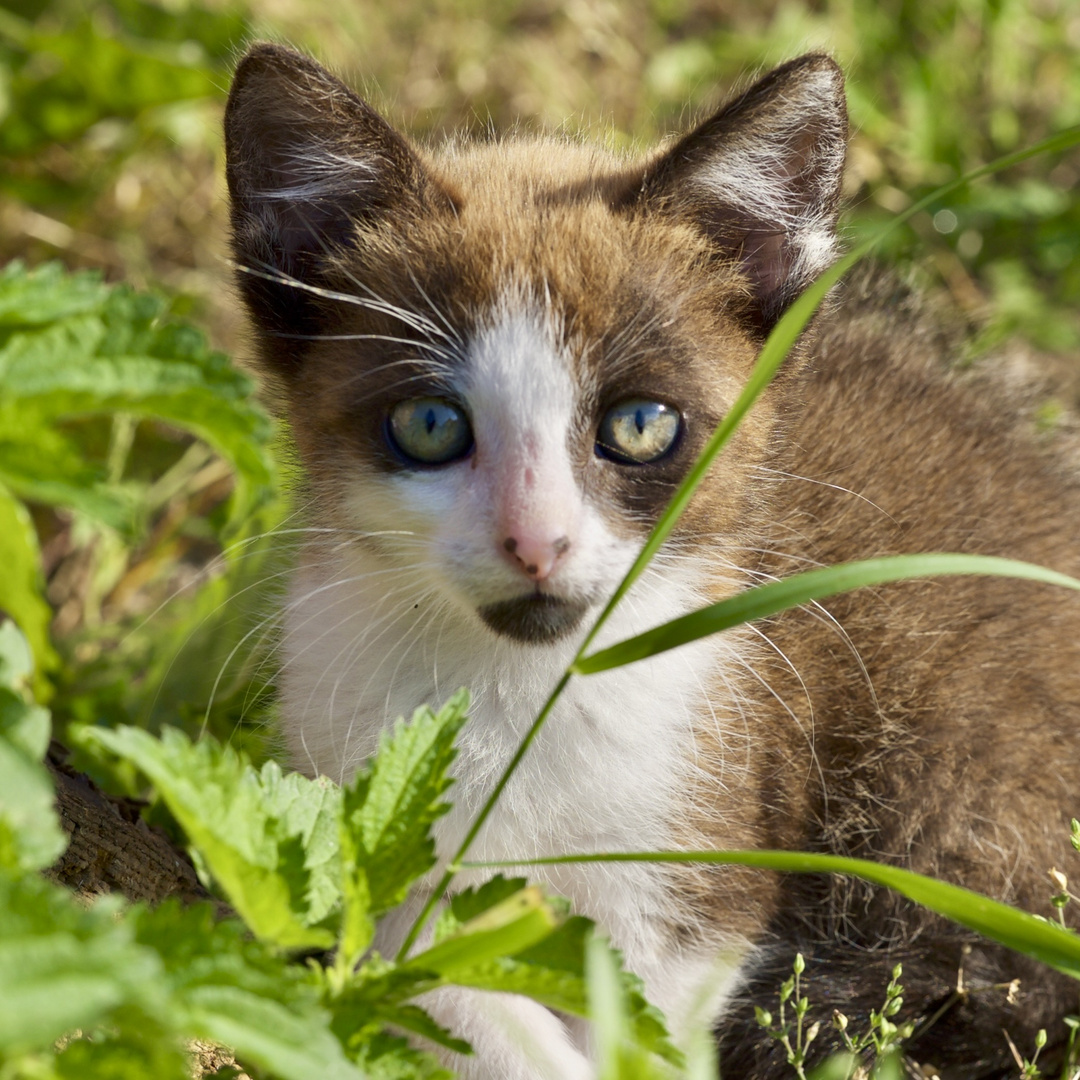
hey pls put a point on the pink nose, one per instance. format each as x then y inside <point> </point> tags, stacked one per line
<point>534,556</point>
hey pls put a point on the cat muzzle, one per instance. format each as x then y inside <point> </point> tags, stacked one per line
<point>536,619</point>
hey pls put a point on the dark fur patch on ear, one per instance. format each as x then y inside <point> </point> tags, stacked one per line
<point>762,178</point>
<point>307,162</point>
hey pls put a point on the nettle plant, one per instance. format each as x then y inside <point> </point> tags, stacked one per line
<point>286,980</point>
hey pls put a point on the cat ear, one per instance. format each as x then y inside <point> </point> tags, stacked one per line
<point>762,179</point>
<point>307,161</point>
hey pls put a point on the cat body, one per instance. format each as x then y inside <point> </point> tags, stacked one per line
<point>498,362</point>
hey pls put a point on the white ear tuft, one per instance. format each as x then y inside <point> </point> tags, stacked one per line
<point>762,178</point>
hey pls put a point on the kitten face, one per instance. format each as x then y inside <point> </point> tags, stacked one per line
<point>540,508</point>
<point>500,361</point>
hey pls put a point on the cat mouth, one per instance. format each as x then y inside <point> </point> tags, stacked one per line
<point>536,619</point>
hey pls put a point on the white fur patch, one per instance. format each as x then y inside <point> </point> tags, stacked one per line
<point>373,630</point>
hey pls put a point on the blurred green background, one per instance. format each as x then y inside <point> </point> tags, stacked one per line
<point>110,160</point>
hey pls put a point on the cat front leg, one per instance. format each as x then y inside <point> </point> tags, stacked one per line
<point>513,1038</point>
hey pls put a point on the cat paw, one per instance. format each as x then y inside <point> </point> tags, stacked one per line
<point>512,1037</point>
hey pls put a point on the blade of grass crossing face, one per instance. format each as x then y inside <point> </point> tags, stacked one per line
<point>1024,933</point>
<point>765,600</point>
<point>777,346</point>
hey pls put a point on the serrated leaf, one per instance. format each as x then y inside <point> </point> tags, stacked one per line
<point>64,965</point>
<point>120,1058</point>
<point>30,833</point>
<point>292,1042</point>
<point>46,294</point>
<point>390,1057</point>
<point>229,989</point>
<point>388,812</point>
<point>413,1018</point>
<point>620,1053</point>
<point>475,900</point>
<point>309,811</point>
<point>16,658</point>
<point>553,973</point>
<point>512,925</point>
<point>81,348</point>
<point>248,826</point>
<point>25,726</point>
<point>378,985</point>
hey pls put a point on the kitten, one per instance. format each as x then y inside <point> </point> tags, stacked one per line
<point>498,362</point>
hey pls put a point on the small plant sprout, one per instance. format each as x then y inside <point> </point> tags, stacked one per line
<point>1060,899</point>
<point>883,1036</point>
<point>782,1032</point>
<point>1029,1070</point>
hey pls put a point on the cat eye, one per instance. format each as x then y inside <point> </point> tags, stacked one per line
<point>637,431</point>
<point>429,430</point>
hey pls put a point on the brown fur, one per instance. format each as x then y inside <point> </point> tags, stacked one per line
<point>943,715</point>
<point>932,725</point>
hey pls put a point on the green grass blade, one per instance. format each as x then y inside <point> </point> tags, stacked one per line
<point>1024,933</point>
<point>765,600</point>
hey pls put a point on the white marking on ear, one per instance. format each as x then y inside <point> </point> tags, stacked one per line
<point>762,178</point>
<point>319,172</point>
<point>751,170</point>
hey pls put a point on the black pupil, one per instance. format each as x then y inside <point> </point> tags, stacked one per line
<point>430,421</point>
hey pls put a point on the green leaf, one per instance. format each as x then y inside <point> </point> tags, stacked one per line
<point>390,1057</point>
<point>250,828</point>
<point>1038,938</point>
<point>552,971</point>
<point>65,965</point>
<point>289,1041</point>
<point>71,347</point>
<point>764,600</point>
<point>514,924</point>
<point>83,75</point>
<point>229,989</point>
<point>386,841</point>
<point>122,1058</point>
<point>472,902</point>
<point>371,996</point>
<point>620,1055</point>
<point>21,584</point>
<point>30,833</point>
<point>46,295</point>
<point>16,658</point>
<point>413,1018</point>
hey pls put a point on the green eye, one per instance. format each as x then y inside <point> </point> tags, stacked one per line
<point>429,430</point>
<point>637,431</point>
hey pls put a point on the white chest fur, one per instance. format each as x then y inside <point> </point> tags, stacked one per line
<point>609,772</point>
